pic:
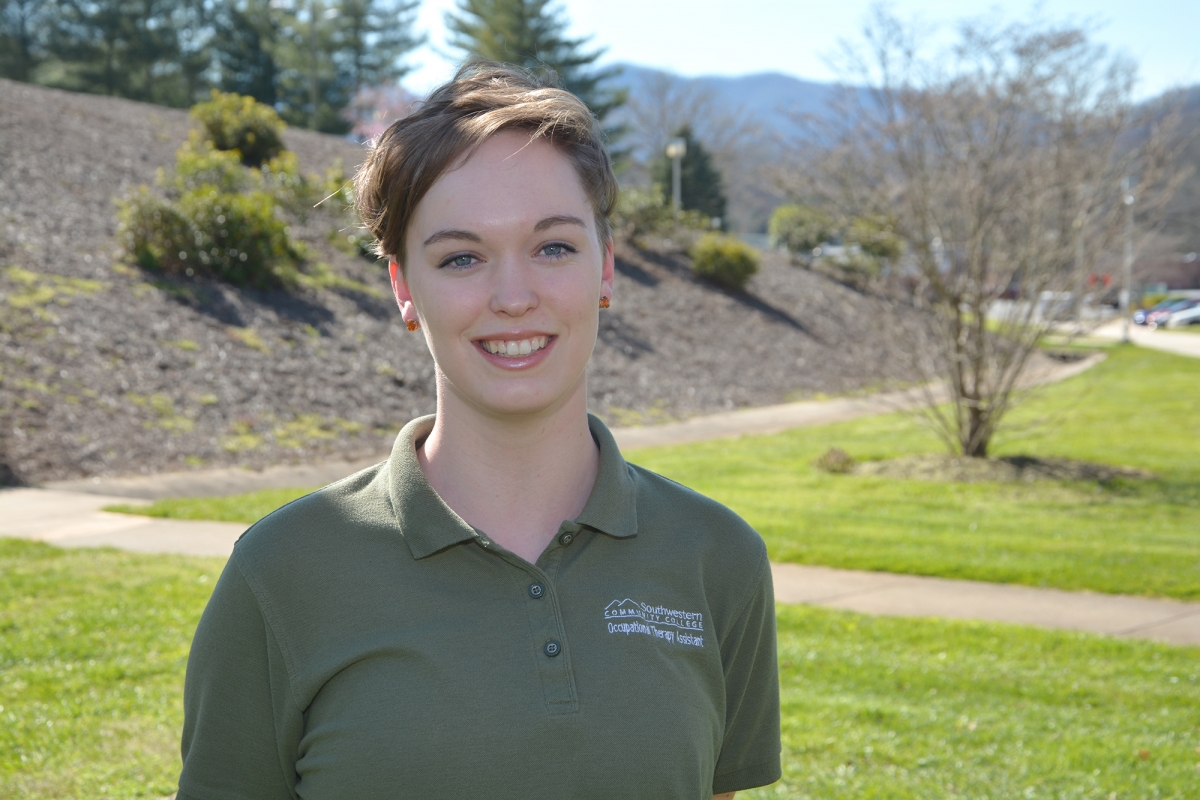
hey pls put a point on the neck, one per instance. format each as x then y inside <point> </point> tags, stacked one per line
<point>515,477</point>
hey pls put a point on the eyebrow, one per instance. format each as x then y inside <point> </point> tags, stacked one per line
<point>544,224</point>
<point>560,219</point>
<point>451,233</point>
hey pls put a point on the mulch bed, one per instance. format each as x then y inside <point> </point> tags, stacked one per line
<point>134,374</point>
<point>1009,469</point>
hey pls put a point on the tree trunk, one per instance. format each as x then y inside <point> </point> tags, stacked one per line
<point>975,443</point>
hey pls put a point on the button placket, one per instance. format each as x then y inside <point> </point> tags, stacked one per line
<point>548,638</point>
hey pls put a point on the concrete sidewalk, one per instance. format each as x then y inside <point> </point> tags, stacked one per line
<point>73,519</point>
<point>70,519</point>
<point>1181,343</point>
<point>888,594</point>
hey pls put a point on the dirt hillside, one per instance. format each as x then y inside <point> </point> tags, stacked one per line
<point>108,370</point>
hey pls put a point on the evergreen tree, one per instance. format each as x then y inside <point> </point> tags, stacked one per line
<point>700,184</point>
<point>372,37</point>
<point>306,57</point>
<point>327,51</point>
<point>128,48</point>
<point>531,34</point>
<point>24,32</point>
<point>246,37</point>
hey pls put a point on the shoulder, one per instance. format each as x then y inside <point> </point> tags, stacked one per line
<point>318,529</point>
<point>713,529</point>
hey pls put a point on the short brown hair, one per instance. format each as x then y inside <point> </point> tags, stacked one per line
<point>483,98</point>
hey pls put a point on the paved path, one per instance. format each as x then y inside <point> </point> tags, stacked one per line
<point>1181,343</point>
<point>71,519</point>
<point>68,514</point>
<point>889,594</point>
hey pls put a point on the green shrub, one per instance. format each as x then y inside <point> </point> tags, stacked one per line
<point>281,178</point>
<point>240,238</point>
<point>641,212</point>
<point>156,233</point>
<point>876,237</point>
<point>724,260</point>
<point>198,163</point>
<point>800,229</point>
<point>234,122</point>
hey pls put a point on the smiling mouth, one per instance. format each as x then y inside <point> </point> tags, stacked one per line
<point>514,348</point>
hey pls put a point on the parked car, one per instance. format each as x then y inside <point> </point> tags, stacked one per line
<point>1188,316</point>
<point>1139,316</point>
<point>1160,316</point>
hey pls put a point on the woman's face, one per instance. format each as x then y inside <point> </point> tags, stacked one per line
<point>505,272</point>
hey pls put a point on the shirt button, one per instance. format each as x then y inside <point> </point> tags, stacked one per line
<point>536,591</point>
<point>552,648</point>
<point>566,539</point>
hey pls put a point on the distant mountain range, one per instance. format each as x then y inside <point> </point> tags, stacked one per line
<point>748,121</point>
<point>774,98</point>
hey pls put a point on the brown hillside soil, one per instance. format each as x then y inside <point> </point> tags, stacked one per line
<point>108,370</point>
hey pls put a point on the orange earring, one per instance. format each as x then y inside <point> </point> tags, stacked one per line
<point>603,302</point>
<point>413,325</point>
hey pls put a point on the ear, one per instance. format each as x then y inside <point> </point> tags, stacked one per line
<point>400,289</point>
<point>607,270</point>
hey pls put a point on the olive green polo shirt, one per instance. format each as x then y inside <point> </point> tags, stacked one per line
<point>366,642</point>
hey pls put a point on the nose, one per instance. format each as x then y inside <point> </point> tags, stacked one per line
<point>513,292</point>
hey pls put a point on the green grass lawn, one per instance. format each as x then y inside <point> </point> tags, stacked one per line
<point>249,507</point>
<point>885,707</point>
<point>1139,408</point>
<point>93,646</point>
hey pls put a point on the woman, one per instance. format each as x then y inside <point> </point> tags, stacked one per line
<point>505,607</point>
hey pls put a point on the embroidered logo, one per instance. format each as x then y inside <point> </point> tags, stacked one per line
<point>669,624</point>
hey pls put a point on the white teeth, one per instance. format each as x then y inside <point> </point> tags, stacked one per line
<point>515,348</point>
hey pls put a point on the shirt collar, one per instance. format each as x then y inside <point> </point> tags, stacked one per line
<point>429,525</point>
<point>612,506</point>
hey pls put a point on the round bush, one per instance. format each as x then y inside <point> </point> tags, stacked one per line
<point>239,237</point>
<point>234,122</point>
<point>799,229</point>
<point>724,260</point>
<point>156,233</point>
<point>199,162</point>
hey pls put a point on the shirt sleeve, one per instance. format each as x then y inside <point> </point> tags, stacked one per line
<point>751,747</point>
<point>240,726</point>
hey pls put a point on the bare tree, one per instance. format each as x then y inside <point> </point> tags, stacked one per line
<point>1000,164</point>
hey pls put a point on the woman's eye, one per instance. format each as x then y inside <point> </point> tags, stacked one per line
<point>460,261</point>
<point>557,249</point>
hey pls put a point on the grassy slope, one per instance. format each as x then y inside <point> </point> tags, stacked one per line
<point>93,646</point>
<point>1139,408</point>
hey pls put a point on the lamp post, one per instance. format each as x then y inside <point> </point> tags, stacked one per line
<point>676,150</point>
<point>1127,292</point>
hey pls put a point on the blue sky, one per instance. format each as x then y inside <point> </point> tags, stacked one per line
<point>739,37</point>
